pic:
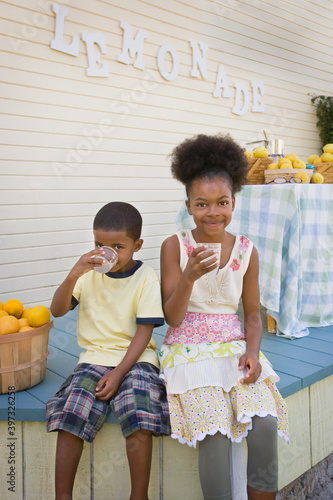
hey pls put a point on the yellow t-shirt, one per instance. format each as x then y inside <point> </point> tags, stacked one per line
<point>110,308</point>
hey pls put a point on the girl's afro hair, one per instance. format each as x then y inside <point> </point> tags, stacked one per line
<point>209,156</point>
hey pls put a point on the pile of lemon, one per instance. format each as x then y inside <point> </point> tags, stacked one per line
<point>291,161</point>
<point>259,152</point>
<point>326,157</point>
<point>14,318</point>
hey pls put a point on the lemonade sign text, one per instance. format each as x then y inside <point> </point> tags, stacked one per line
<point>167,61</point>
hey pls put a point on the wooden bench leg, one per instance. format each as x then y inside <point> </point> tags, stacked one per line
<point>238,466</point>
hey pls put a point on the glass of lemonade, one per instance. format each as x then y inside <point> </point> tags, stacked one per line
<point>217,247</point>
<point>110,257</point>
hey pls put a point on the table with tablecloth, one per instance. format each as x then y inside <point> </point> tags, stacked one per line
<point>292,227</point>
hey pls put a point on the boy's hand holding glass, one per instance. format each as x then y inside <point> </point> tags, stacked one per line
<point>88,261</point>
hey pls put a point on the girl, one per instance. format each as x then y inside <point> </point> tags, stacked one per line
<point>220,387</point>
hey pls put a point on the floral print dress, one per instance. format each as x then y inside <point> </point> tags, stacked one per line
<point>199,359</point>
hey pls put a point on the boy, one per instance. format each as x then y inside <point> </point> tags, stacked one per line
<point>119,366</point>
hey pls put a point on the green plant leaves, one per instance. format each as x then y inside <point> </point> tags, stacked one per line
<point>324,113</point>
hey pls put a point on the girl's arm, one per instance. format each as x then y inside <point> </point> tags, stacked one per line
<point>249,362</point>
<point>177,285</point>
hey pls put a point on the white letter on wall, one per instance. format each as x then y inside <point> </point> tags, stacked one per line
<point>58,42</point>
<point>221,82</point>
<point>94,57</point>
<point>134,46</point>
<point>240,90</point>
<point>258,105</point>
<point>175,62</point>
<point>199,59</point>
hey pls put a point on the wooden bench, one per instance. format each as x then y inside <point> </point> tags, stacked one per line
<point>305,367</point>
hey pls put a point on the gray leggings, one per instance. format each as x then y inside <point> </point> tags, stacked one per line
<point>262,467</point>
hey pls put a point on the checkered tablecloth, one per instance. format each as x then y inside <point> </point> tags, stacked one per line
<point>292,228</point>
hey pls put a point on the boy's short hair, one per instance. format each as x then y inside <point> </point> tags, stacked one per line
<point>119,216</point>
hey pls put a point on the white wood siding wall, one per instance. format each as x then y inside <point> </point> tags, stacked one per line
<point>59,166</point>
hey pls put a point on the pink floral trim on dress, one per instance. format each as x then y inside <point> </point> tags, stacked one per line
<point>242,248</point>
<point>199,328</point>
<point>186,241</point>
<point>243,245</point>
<point>235,265</point>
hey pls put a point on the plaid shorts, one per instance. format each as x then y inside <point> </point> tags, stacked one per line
<point>140,403</point>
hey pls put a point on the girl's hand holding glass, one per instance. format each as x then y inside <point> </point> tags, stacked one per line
<point>201,261</point>
<point>217,247</point>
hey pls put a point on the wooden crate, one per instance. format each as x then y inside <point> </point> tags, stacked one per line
<point>286,173</point>
<point>326,170</point>
<point>257,167</point>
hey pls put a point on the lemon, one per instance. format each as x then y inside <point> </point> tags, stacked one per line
<point>311,159</point>
<point>292,157</point>
<point>303,176</point>
<point>317,178</point>
<point>25,328</point>
<point>326,157</point>
<point>260,152</point>
<point>26,312</point>
<point>317,160</point>
<point>1,305</point>
<point>9,324</point>
<point>23,322</point>
<point>14,307</point>
<point>286,166</point>
<point>285,160</point>
<point>3,313</point>
<point>38,316</point>
<point>248,154</point>
<point>272,166</point>
<point>299,164</point>
<point>328,148</point>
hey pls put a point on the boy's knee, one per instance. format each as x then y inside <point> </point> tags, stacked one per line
<point>137,439</point>
<point>140,434</point>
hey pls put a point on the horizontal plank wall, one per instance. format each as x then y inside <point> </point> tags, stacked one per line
<point>72,142</point>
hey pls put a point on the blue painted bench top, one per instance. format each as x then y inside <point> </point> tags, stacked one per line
<point>299,363</point>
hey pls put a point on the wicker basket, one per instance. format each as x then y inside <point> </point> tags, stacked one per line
<point>326,170</point>
<point>23,358</point>
<point>257,167</point>
<point>286,173</point>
